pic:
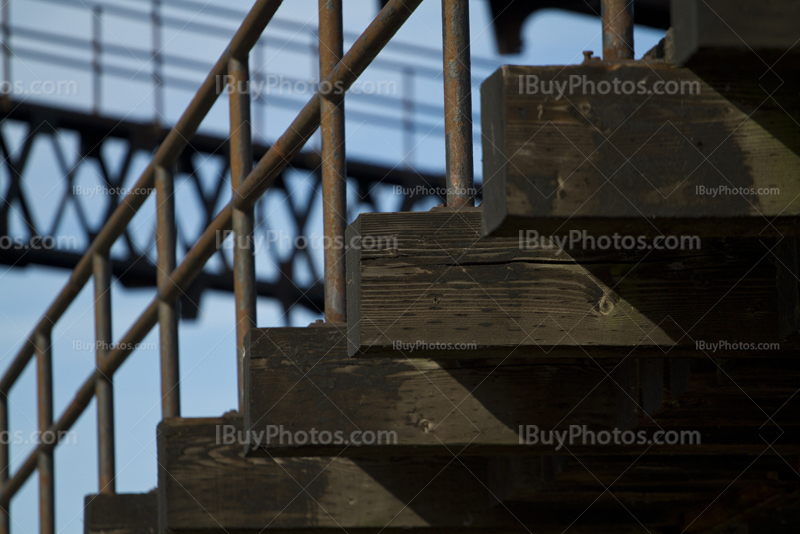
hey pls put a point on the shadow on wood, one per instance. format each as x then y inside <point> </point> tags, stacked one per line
<point>428,284</point>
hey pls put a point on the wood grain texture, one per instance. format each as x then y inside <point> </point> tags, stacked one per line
<point>205,487</point>
<point>632,163</point>
<point>300,380</point>
<point>303,379</point>
<point>440,285</point>
<point>121,513</point>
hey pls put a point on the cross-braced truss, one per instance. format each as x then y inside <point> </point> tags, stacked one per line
<point>84,199</point>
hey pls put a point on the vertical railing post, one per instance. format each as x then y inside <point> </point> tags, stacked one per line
<point>244,264</point>
<point>104,387</point>
<point>4,461</point>
<point>44,390</point>
<point>334,172</point>
<point>457,103</point>
<point>167,313</point>
<point>97,50</point>
<point>617,18</point>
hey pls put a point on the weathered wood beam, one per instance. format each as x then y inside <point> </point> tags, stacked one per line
<point>428,285</point>
<point>709,30</point>
<point>208,487</point>
<point>299,379</point>
<point>300,384</point>
<point>119,513</point>
<point>641,148</point>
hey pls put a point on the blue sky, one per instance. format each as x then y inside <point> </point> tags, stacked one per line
<point>207,357</point>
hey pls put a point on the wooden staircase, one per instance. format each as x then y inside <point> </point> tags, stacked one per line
<point>432,409</point>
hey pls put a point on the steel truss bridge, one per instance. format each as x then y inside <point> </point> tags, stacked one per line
<point>102,60</point>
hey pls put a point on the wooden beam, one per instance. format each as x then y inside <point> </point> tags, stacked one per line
<point>299,379</point>
<point>434,288</point>
<point>208,487</point>
<point>629,161</point>
<point>300,382</point>
<point>709,30</point>
<point>117,513</point>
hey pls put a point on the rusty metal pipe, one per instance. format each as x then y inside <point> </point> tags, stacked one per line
<point>244,264</point>
<point>457,103</point>
<point>182,277</point>
<point>355,61</point>
<point>169,150</point>
<point>167,310</point>
<point>334,171</point>
<point>617,18</point>
<point>44,391</point>
<point>104,387</point>
<point>114,359</point>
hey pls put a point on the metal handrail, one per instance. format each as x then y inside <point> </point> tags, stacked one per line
<point>175,280</point>
<point>422,117</point>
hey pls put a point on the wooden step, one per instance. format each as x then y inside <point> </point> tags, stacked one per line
<point>428,285</point>
<point>743,33</point>
<point>302,378</point>
<point>642,164</point>
<point>121,513</point>
<point>300,382</point>
<point>207,487</point>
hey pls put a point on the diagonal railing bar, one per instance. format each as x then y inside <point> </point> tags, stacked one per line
<point>173,285</point>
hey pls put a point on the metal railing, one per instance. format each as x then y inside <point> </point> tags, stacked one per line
<point>105,61</point>
<point>249,183</point>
